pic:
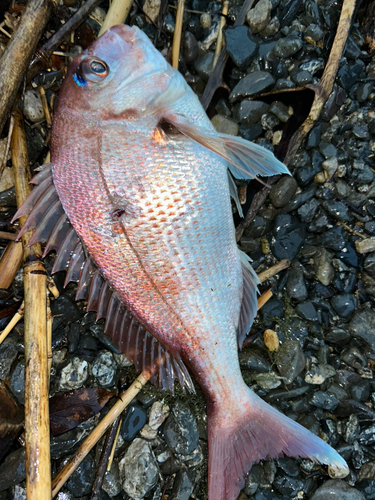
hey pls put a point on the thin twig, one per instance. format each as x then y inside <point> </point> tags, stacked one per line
<point>272,271</point>
<point>177,33</point>
<point>7,147</point>
<point>12,323</point>
<point>38,463</point>
<point>219,41</point>
<point>10,262</point>
<point>98,432</point>
<point>4,235</point>
<point>265,297</point>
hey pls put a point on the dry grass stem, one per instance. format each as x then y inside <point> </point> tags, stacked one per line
<point>219,41</point>
<point>350,230</point>
<point>117,14</point>
<point>15,60</point>
<point>19,315</point>
<point>98,432</point>
<point>112,455</point>
<point>46,110</point>
<point>265,297</point>
<point>38,466</point>
<point>10,262</point>
<point>324,88</point>
<point>272,271</point>
<point>177,33</point>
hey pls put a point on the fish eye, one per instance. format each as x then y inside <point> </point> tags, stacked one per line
<point>99,68</point>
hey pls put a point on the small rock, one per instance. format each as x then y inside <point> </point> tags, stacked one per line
<point>224,125</point>
<point>240,45</point>
<point>281,111</point>
<point>13,469</point>
<point>80,482</point>
<point>190,47</point>
<point>104,368</point>
<point>111,481</point>
<point>181,431</point>
<point>362,326</point>
<point>151,9</point>
<point>134,420</point>
<point>183,484</point>
<point>337,490</point>
<point>317,374</point>
<point>296,286</point>
<point>323,266</point>
<point>138,469</point>
<point>307,311</point>
<point>17,382</point>
<point>203,66</point>
<point>271,340</point>
<point>259,17</point>
<point>365,246</point>
<point>33,107</point>
<point>253,84</point>
<point>289,235</point>
<point>8,354</point>
<point>290,360</point>
<point>344,304</point>
<point>158,413</point>
<point>286,47</point>
<point>205,20</point>
<point>74,374</point>
<point>324,400</point>
<point>301,77</point>
<point>249,112</point>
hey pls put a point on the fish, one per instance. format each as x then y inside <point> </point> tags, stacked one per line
<point>136,202</point>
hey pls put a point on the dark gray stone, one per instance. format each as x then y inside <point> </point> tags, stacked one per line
<point>290,360</point>
<point>190,47</point>
<point>282,192</point>
<point>301,77</point>
<point>8,354</point>
<point>80,482</point>
<point>307,311</point>
<point>241,47</point>
<point>249,112</point>
<point>324,400</point>
<point>289,235</point>
<point>180,430</point>
<point>17,382</point>
<point>13,469</point>
<point>344,304</point>
<point>336,489</point>
<point>286,47</point>
<point>203,66</point>
<point>251,85</point>
<point>135,419</point>
<point>296,286</point>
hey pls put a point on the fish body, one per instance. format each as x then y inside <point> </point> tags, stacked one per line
<point>142,176</point>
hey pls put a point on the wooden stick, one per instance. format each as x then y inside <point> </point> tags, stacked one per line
<point>4,235</point>
<point>98,432</point>
<point>117,14</point>
<point>219,41</point>
<point>10,262</point>
<point>277,268</point>
<point>177,33</point>
<point>12,323</point>
<point>42,58</point>
<point>265,297</point>
<point>324,87</point>
<point>15,60</point>
<point>38,467</point>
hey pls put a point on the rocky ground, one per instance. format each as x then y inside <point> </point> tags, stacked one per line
<point>321,218</point>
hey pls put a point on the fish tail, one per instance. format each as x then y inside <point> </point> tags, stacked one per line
<point>255,431</point>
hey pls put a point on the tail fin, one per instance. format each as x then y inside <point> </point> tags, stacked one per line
<point>257,431</point>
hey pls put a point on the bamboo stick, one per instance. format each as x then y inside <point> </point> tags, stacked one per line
<point>272,271</point>
<point>10,262</point>
<point>15,60</point>
<point>4,235</point>
<point>98,432</point>
<point>177,33</point>
<point>12,323</point>
<point>117,14</point>
<point>219,41</point>
<point>38,468</point>
<point>265,297</point>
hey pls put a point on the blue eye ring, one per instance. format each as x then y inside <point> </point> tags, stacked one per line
<point>80,81</point>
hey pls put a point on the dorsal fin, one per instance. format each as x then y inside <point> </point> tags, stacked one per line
<point>46,215</point>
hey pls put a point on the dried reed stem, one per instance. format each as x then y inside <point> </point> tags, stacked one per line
<point>15,60</point>
<point>38,468</point>
<point>219,41</point>
<point>177,33</point>
<point>10,262</point>
<point>117,14</point>
<point>265,297</point>
<point>277,268</point>
<point>98,432</point>
<point>12,323</point>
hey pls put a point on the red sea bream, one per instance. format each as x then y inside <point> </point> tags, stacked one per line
<point>136,202</point>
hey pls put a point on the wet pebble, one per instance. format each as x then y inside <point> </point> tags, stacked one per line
<point>323,266</point>
<point>290,360</point>
<point>224,125</point>
<point>283,191</point>
<point>286,47</point>
<point>158,413</point>
<point>324,400</point>
<point>104,368</point>
<point>190,47</point>
<point>249,112</point>
<point>138,469</point>
<point>289,235</point>
<point>362,326</point>
<point>180,430</point>
<point>135,419</point>
<point>344,304</point>
<point>301,77</point>
<point>253,84</point>
<point>33,107</point>
<point>80,482</point>
<point>74,374</point>
<point>337,489</point>
<point>8,354</point>
<point>296,286</point>
<point>17,381</point>
<point>13,469</point>
<point>317,374</point>
<point>307,311</point>
<point>203,66</point>
<point>183,484</point>
<point>241,47</point>
<point>259,16</point>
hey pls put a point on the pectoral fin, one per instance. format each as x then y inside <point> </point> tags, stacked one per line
<point>246,159</point>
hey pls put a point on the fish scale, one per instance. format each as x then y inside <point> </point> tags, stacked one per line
<point>145,183</point>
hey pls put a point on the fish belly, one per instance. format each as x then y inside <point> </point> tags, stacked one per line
<point>155,215</point>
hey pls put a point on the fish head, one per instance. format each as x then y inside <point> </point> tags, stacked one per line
<point>121,75</point>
